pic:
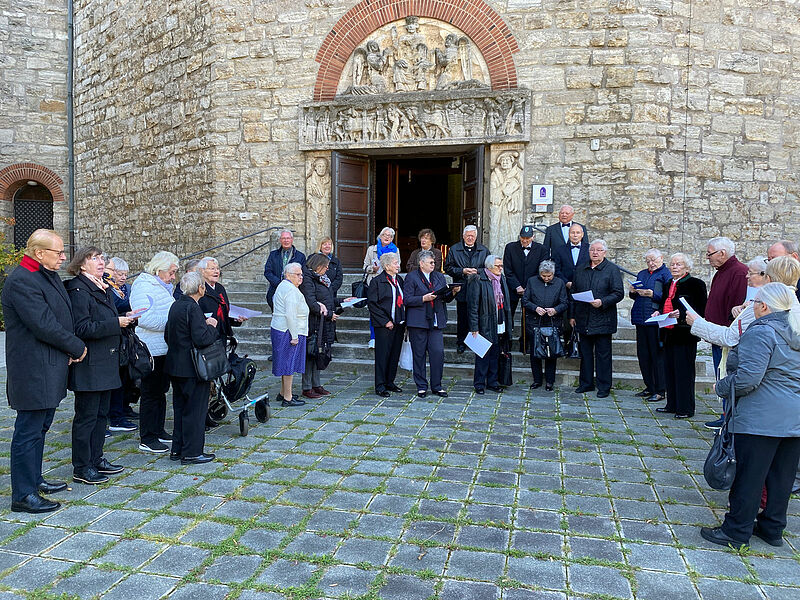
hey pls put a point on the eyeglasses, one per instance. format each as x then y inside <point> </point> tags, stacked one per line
<point>59,252</point>
<point>710,254</point>
<point>96,258</point>
<point>758,302</point>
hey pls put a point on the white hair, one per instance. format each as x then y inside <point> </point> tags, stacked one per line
<point>684,258</point>
<point>759,263</point>
<point>600,241</point>
<point>292,265</point>
<point>547,266</point>
<point>779,298</point>
<point>120,264</point>
<point>387,258</point>
<point>289,231</point>
<point>204,262</point>
<point>162,261</point>
<point>385,229</point>
<point>489,262</point>
<point>469,228</point>
<point>653,252</point>
<point>723,243</point>
<point>191,282</point>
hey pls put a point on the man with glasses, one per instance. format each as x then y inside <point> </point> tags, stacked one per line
<point>40,346</point>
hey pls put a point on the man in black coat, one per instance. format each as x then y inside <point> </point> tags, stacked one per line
<point>40,345</point>
<point>521,262</point>
<point>463,262</point>
<point>278,259</point>
<point>556,235</point>
<point>572,255</point>
<point>596,321</point>
<point>426,318</point>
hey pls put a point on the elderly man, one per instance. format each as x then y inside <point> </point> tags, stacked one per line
<point>557,234</point>
<point>596,320</point>
<point>40,346</point>
<point>462,264</point>
<point>784,248</point>
<point>521,262</point>
<point>277,261</point>
<point>570,256</point>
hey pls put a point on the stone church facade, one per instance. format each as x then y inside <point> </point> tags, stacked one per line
<point>664,123</point>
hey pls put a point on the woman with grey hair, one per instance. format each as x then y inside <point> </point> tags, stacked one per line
<point>545,301</point>
<point>387,315</point>
<point>152,291</point>
<point>647,292</point>
<point>288,332</point>
<point>372,264</point>
<point>188,328</point>
<point>215,300</point>
<point>489,313</point>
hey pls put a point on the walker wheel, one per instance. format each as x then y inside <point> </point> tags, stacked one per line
<point>244,423</point>
<point>262,410</point>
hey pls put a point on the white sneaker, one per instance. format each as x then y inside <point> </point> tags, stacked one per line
<point>372,344</point>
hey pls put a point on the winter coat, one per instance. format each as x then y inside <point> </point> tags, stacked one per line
<point>644,307</point>
<point>767,376</point>
<point>693,290</point>
<point>151,325</point>
<point>215,301</point>
<point>482,308</point>
<point>273,269</point>
<point>40,337</point>
<point>605,282</point>
<point>315,291</point>
<point>459,259</point>
<point>97,324</point>
<point>186,329</point>
<point>547,295</point>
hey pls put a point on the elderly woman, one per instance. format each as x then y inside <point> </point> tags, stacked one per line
<point>98,325</point>
<point>647,292</point>
<point>335,272</point>
<point>321,301</point>
<point>152,291</point>
<point>545,301</point>
<point>189,267</point>
<point>680,346</point>
<point>489,313</point>
<point>427,240</point>
<point>187,328</point>
<point>372,264</point>
<point>215,299</point>
<point>387,315</point>
<point>288,332</point>
<point>765,376</point>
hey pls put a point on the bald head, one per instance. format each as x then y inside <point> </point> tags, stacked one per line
<point>782,248</point>
<point>575,234</point>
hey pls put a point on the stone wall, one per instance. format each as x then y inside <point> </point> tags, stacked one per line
<point>33,92</point>
<point>188,119</point>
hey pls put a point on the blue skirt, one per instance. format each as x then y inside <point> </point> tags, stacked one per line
<point>287,359</point>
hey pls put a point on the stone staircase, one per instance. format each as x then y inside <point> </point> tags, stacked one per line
<point>350,353</point>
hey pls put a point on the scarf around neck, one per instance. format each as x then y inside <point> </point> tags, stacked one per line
<point>496,287</point>
<point>390,247</point>
<point>96,280</point>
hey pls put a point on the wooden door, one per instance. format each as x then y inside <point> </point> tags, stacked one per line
<point>351,209</point>
<point>472,189</point>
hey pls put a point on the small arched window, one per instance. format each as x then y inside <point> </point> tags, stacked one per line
<point>33,209</point>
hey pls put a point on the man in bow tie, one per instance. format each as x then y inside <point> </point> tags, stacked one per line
<point>571,255</point>
<point>557,234</point>
<point>521,261</point>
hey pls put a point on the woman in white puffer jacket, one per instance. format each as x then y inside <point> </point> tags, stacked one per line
<point>152,290</point>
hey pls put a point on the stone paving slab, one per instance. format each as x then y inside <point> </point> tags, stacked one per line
<point>515,496</point>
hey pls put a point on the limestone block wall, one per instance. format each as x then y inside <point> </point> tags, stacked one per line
<point>33,78</point>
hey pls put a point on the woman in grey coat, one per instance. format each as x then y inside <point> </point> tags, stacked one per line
<point>765,375</point>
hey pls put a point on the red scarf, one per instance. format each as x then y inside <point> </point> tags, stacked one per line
<point>393,281</point>
<point>668,308</point>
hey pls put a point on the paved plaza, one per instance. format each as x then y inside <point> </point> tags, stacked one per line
<point>519,496</point>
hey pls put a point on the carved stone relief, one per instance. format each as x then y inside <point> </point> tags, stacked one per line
<point>318,199</point>
<point>414,55</point>
<point>505,197</point>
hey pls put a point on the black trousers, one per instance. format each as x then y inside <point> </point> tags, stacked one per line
<point>89,428</point>
<point>486,369</point>
<point>651,358</point>
<point>679,367</point>
<point>596,359</point>
<point>549,369</point>
<point>190,405</point>
<point>153,407</point>
<point>430,343</point>
<point>121,397</point>
<point>27,449</point>
<point>462,322</point>
<point>388,343</point>
<point>761,461</point>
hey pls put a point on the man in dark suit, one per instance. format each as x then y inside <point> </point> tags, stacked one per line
<point>40,346</point>
<point>569,256</point>
<point>521,262</point>
<point>463,262</point>
<point>426,319</point>
<point>556,235</point>
<point>278,259</point>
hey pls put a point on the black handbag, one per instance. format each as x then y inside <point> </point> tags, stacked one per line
<point>573,347</point>
<point>359,290</point>
<point>312,341</point>
<point>210,362</point>
<point>504,366</point>
<point>720,466</point>
<point>547,341</point>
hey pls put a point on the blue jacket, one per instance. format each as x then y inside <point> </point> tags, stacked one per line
<point>273,269</point>
<point>766,369</point>
<point>658,281</point>
<point>414,289</point>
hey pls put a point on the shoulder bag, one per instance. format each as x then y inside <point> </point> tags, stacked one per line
<point>547,341</point>
<point>720,466</point>
<point>359,290</point>
<point>505,363</point>
<point>210,362</point>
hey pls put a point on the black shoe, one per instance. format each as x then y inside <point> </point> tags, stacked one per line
<point>198,460</point>
<point>52,487</point>
<point>173,456</point>
<point>89,476</point>
<point>582,389</point>
<point>536,384</point>
<point>461,348</point>
<point>34,503</point>
<point>295,401</point>
<point>664,409</point>
<point>603,394</point>
<point>155,447</point>
<point>106,468</point>
<point>479,391</point>
<point>422,393</point>
<point>394,388</point>
<point>164,437</point>
<point>129,413</point>
<point>441,393</point>
<point>548,387</point>
<point>677,416</point>
<point>655,398</point>
<point>383,394</point>
<point>717,536</point>
<point>643,394</point>
<point>716,424</point>
<point>759,533</point>
<point>494,388</point>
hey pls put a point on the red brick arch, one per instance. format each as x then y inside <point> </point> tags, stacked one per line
<point>484,26</point>
<point>15,176</point>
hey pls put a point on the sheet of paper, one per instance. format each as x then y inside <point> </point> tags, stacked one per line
<point>141,311</point>
<point>353,302</point>
<point>662,320</point>
<point>239,311</point>
<point>751,293</point>
<point>687,305</point>
<point>583,296</point>
<point>479,345</point>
